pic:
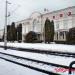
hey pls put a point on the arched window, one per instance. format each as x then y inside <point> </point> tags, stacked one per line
<point>36,25</point>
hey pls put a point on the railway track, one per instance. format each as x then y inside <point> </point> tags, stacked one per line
<point>19,59</point>
<point>25,62</point>
<point>50,52</point>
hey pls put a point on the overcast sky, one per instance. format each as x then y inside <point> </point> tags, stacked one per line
<point>22,9</point>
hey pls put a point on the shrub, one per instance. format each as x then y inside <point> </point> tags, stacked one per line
<point>72,31</point>
<point>71,36</point>
<point>31,37</point>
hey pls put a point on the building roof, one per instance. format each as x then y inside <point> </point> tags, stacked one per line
<point>59,10</point>
<point>42,14</point>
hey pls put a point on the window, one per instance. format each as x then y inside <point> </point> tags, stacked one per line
<point>36,25</point>
<point>57,25</point>
<point>27,29</point>
<point>57,35</point>
<point>61,33</point>
<point>63,36</point>
<point>53,17</point>
<point>65,24</point>
<point>69,13</point>
<point>61,15</point>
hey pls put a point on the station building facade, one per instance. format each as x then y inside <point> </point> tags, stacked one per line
<point>64,19</point>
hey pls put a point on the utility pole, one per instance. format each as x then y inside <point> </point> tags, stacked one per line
<point>5,28</point>
<point>5,35</point>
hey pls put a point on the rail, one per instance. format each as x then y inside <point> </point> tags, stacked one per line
<point>56,53</point>
<point>43,52</point>
<point>28,66</point>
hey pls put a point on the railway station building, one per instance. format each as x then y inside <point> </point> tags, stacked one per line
<point>64,19</point>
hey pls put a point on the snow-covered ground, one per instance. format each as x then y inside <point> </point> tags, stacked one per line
<point>42,57</point>
<point>42,46</point>
<point>7,68</point>
<point>30,63</point>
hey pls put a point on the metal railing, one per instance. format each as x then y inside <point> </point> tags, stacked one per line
<point>71,68</point>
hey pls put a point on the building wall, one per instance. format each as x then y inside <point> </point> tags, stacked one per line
<point>1,33</point>
<point>63,20</point>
